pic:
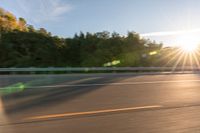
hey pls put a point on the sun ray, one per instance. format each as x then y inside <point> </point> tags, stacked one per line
<point>194,55</point>
<point>178,61</point>
<point>184,61</point>
<point>169,54</point>
<point>174,57</point>
<point>191,61</point>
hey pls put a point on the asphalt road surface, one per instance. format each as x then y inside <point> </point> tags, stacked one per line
<point>100,103</point>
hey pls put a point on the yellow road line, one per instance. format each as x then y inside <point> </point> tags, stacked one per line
<point>91,112</point>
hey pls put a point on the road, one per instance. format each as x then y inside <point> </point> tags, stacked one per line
<point>101,103</point>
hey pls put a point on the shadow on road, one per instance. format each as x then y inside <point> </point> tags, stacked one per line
<point>34,97</point>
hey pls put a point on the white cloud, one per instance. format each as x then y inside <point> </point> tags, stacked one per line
<point>170,33</point>
<point>39,11</point>
<point>59,9</point>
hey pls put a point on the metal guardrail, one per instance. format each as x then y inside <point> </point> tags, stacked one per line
<point>86,69</point>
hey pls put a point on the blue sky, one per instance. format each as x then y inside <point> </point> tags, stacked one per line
<point>160,20</point>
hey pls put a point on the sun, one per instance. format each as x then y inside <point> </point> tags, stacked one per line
<point>187,51</point>
<point>188,43</point>
<point>189,48</point>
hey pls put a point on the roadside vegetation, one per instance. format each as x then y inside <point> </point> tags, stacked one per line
<point>21,45</point>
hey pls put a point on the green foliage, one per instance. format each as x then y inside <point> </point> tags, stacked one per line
<point>21,45</point>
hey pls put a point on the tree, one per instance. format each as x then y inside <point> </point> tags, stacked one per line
<point>22,24</point>
<point>30,28</point>
<point>43,31</point>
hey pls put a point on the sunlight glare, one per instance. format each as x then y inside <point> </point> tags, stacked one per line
<point>188,42</point>
<point>189,48</point>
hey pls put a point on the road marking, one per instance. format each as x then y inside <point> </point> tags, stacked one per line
<point>83,80</point>
<point>114,84</point>
<point>91,112</point>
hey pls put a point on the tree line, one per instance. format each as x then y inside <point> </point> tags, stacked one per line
<point>21,45</point>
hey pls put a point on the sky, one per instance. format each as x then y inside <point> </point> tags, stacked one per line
<point>164,21</point>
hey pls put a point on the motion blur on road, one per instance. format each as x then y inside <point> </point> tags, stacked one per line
<point>99,66</point>
<point>100,103</point>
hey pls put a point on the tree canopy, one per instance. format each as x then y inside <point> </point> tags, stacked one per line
<point>21,45</point>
